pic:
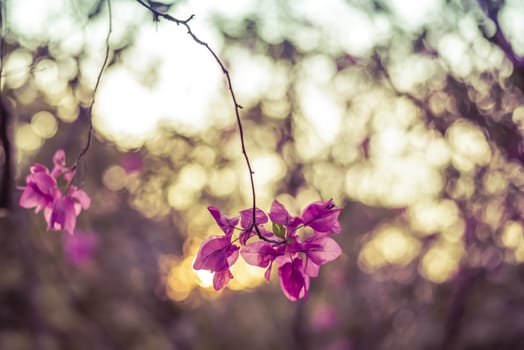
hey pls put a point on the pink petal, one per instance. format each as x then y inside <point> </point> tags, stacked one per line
<point>221,279</point>
<point>69,174</point>
<point>45,182</point>
<point>321,249</point>
<point>261,253</point>
<point>59,158</point>
<point>311,269</point>
<point>245,236</point>
<point>213,254</point>
<point>246,217</point>
<point>38,168</point>
<point>63,215</point>
<point>279,214</point>
<point>322,217</point>
<point>59,161</point>
<point>293,281</point>
<point>39,192</point>
<point>226,224</point>
<point>82,200</point>
<point>31,197</point>
<point>232,254</point>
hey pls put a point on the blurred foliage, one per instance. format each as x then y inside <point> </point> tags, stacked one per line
<point>410,116</point>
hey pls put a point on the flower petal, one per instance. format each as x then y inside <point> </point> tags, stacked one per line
<point>293,281</point>
<point>63,215</point>
<point>261,253</point>
<point>213,254</point>
<point>59,161</point>
<point>221,279</point>
<point>82,200</point>
<point>279,214</point>
<point>40,191</point>
<point>226,224</point>
<point>246,217</point>
<point>322,217</point>
<point>321,249</point>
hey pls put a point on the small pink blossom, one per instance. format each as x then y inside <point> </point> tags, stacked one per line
<point>40,189</point>
<point>42,193</point>
<point>217,253</point>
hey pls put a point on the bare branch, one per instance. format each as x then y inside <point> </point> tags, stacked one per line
<point>95,89</point>
<point>236,105</point>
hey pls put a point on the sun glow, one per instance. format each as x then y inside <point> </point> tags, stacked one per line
<point>205,278</point>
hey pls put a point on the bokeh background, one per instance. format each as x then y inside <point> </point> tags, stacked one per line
<point>409,114</point>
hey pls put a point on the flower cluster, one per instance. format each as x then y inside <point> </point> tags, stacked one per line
<point>43,193</point>
<point>298,245</point>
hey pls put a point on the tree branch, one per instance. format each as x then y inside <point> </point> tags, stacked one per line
<point>95,89</point>
<point>237,106</point>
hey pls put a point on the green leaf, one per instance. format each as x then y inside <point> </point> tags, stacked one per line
<point>279,230</point>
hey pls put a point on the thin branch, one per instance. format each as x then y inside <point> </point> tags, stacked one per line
<point>237,106</point>
<point>95,89</point>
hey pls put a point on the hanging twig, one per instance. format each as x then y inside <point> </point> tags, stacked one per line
<point>185,22</point>
<point>95,89</point>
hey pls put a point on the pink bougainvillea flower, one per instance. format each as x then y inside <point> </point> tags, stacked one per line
<point>297,259</point>
<point>42,193</point>
<point>322,217</point>
<point>40,190</point>
<point>80,247</point>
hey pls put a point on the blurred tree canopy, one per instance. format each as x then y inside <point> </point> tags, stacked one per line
<point>409,115</point>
